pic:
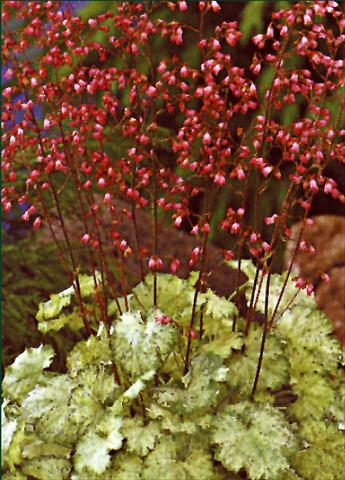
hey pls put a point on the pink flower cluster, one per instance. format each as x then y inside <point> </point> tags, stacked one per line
<point>226,132</point>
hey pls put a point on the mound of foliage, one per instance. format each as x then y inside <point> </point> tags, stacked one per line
<point>127,409</point>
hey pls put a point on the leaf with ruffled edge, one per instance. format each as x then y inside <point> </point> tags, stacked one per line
<point>242,366</point>
<point>202,386</point>
<point>48,315</point>
<point>140,346</point>
<point>92,450</point>
<point>140,438</point>
<point>322,456</point>
<point>254,437</point>
<point>26,371</point>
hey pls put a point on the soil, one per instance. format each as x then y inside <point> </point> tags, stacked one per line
<point>172,243</point>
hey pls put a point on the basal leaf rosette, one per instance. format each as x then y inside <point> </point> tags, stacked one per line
<point>125,407</point>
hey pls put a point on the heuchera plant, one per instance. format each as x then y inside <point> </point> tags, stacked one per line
<point>176,382</point>
<point>127,409</point>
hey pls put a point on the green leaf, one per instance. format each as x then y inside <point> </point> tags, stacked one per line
<point>199,466</point>
<point>140,438</point>
<point>35,447</point>
<point>92,451</point>
<point>8,428</point>
<point>14,476</point>
<point>242,366</point>
<point>14,452</point>
<point>48,468</point>
<point>127,467</point>
<point>202,386</point>
<point>48,404</point>
<point>90,352</point>
<point>218,316</point>
<point>93,388</point>
<point>163,463</point>
<point>27,371</point>
<point>315,396</point>
<point>142,346</point>
<point>48,315</point>
<point>322,456</point>
<point>51,309</point>
<point>155,422</point>
<point>256,438</point>
<point>72,320</point>
<point>173,422</point>
<point>175,297</point>
<point>223,346</point>
<point>307,336</point>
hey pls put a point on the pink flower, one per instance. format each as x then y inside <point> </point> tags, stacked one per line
<point>151,263</point>
<point>215,6</point>
<point>192,332</point>
<point>174,265</point>
<point>183,72</point>
<point>258,38</point>
<point>107,199</point>
<point>235,227</point>
<point>206,228</point>
<point>295,147</point>
<point>271,220</point>
<point>178,221</point>
<point>229,255</point>
<point>151,91</point>
<point>206,139</point>
<point>37,223</point>
<point>270,32</point>
<point>134,49</point>
<point>284,31</point>
<point>123,245</point>
<point>219,180</point>
<point>195,230</point>
<point>26,216</point>
<point>159,264</point>
<point>85,239</point>
<point>240,174</point>
<point>313,186</point>
<point>300,283</point>
<point>266,171</point>
<point>325,277</point>
<point>92,22</point>
<point>266,246</point>
<point>101,183</point>
<point>195,253</point>
<point>328,188</point>
<point>164,319</point>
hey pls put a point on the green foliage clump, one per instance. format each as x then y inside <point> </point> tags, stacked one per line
<point>126,409</point>
<point>26,279</point>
